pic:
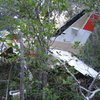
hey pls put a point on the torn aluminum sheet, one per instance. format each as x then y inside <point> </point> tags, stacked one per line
<point>79,65</point>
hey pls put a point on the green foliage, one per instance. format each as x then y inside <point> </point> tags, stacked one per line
<point>50,95</point>
<point>2,40</point>
<point>36,93</point>
<point>76,45</point>
<point>2,89</point>
<point>35,22</point>
<point>60,86</point>
<point>97,96</point>
<point>33,91</point>
<point>91,5</point>
<point>91,51</point>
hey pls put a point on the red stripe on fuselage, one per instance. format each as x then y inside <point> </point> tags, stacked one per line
<point>90,23</point>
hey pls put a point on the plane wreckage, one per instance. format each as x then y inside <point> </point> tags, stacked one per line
<point>76,30</point>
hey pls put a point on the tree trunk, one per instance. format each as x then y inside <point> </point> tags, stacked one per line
<point>22,65</point>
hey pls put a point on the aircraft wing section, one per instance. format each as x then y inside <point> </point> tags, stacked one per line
<point>79,65</point>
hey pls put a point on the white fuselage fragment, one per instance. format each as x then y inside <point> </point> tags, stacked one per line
<point>79,65</point>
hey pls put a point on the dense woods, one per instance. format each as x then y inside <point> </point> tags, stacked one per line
<point>28,67</point>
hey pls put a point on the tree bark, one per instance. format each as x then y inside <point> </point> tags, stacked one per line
<point>22,65</point>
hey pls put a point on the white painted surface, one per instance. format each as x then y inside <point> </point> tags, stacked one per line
<point>82,36</point>
<point>80,22</point>
<point>15,92</point>
<point>66,37</point>
<point>72,35</point>
<point>79,65</point>
<point>75,32</point>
